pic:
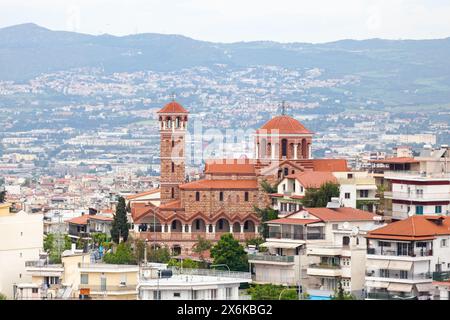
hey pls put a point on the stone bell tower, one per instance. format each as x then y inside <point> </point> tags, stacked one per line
<point>172,127</point>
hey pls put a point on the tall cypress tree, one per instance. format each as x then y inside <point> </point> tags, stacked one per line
<point>120,223</point>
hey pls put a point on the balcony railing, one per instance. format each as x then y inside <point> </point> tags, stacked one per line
<point>324,266</point>
<point>395,274</point>
<point>388,296</point>
<point>441,276</point>
<point>391,252</point>
<point>211,273</point>
<point>108,288</point>
<point>41,264</point>
<point>272,258</point>
<point>296,236</point>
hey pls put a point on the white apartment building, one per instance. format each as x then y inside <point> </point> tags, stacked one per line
<point>403,257</point>
<point>21,239</point>
<point>357,190</point>
<point>418,186</point>
<point>317,248</point>
<point>193,284</point>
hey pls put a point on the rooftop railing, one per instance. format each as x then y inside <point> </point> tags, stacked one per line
<point>211,273</point>
<point>272,258</point>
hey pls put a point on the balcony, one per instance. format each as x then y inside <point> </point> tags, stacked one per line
<point>388,296</point>
<point>414,196</point>
<point>395,275</point>
<point>325,250</point>
<point>324,269</point>
<point>296,236</point>
<point>391,252</point>
<point>99,289</point>
<point>254,258</point>
<point>441,276</point>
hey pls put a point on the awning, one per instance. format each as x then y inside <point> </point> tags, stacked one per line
<point>424,287</point>
<point>377,264</point>
<point>377,284</point>
<point>400,265</point>
<point>402,287</point>
<point>283,245</point>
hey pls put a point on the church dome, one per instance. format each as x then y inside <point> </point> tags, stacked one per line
<point>173,107</point>
<point>284,125</point>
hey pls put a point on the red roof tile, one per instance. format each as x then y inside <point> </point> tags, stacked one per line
<point>413,228</point>
<point>332,165</point>
<point>173,107</point>
<point>313,179</point>
<point>341,214</point>
<point>284,125</point>
<point>219,184</point>
<point>145,193</point>
<point>230,166</point>
<point>293,221</point>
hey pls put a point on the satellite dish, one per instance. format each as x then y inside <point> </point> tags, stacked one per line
<point>147,274</point>
<point>355,231</point>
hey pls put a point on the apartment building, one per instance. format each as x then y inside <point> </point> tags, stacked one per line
<point>403,256</point>
<point>193,284</point>
<point>317,248</point>
<point>416,186</point>
<point>78,277</point>
<point>21,239</point>
<point>357,190</point>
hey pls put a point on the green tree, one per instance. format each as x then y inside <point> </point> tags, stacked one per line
<point>228,251</point>
<point>265,214</point>
<point>267,187</point>
<point>122,255</point>
<point>99,238</point>
<point>201,247</point>
<point>120,224</point>
<point>340,294</point>
<point>318,198</point>
<point>160,255</point>
<point>187,263</point>
<point>3,297</point>
<point>272,292</point>
<point>257,241</point>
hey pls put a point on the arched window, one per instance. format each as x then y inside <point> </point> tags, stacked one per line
<point>173,193</point>
<point>197,196</point>
<point>246,196</point>
<point>220,224</point>
<point>221,196</point>
<point>197,224</point>
<point>286,171</point>
<point>284,147</point>
<point>173,143</point>
<point>174,224</point>
<point>246,225</point>
<point>173,167</point>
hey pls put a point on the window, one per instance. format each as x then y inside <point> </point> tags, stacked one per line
<point>197,224</point>
<point>173,143</point>
<point>35,290</point>
<point>177,294</point>
<point>349,175</point>
<point>301,188</point>
<point>419,209</point>
<point>286,171</point>
<point>173,167</point>
<point>228,292</point>
<point>84,278</point>
<point>335,226</point>
<point>384,244</point>
<point>213,294</point>
<point>419,193</point>
<point>384,273</point>
<point>220,224</point>
<point>246,196</point>
<point>284,187</point>
<point>438,209</point>
<point>197,196</point>
<point>347,195</point>
<point>156,295</point>
<point>173,193</point>
<point>443,243</point>
<point>194,295</point>
<point>403,274</point>
<point>284,148</point>
<point>363,193</point>
<point>221,196</point>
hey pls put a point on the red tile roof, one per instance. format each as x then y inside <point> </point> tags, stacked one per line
<point>293,221</point>
<point>82,220</point>
<point>341,214</point>
<point>284,125</point>
<point>313,179</point>
<point>413,228</point>
<point>145,193</point>
<point>173,107</point>
<point>332,165</point>
<point>176,204</point>
<point>230,166</point>
<point>396,160</point>
<point>219,184</point>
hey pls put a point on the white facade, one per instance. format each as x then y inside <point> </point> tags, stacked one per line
<point>21,239</point>
<point>206,285</point>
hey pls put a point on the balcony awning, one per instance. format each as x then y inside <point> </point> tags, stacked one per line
<point>377,264</point>
<point>402,287</point>
<point>283,245</point>
<point>400,265</point>
<point>377,284</point>
<point>424,287</point>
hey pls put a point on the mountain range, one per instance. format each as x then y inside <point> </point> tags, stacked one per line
<point>28,50</point>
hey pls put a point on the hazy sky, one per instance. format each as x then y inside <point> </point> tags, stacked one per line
<point>240,20</point>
